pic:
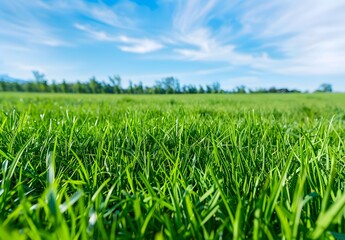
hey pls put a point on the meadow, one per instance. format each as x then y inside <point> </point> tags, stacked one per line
<point>268,166</point>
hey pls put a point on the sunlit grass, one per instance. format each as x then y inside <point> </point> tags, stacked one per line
<point>189,167</point>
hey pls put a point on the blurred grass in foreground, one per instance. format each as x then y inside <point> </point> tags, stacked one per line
<point>172,166</point>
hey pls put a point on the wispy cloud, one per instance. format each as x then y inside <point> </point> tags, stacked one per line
<point>202,43</point>
<point>204,47</point>
<point>273,38</point>
<point>139,45</point>
<point>32,21</point>
<point>126,44</point>
<point>192,14</point>
<point>20,23</point>
<point>111,15</point>
<point>308,35</point>
<point>96,34</point>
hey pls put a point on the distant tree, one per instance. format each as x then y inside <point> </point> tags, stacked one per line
<point>166,85</point>
<point>17,87</point>
<point>54,87</point>
<point>38,76</point>
<point>130,87</point>
<point>77,87</point>
<point>240,89</point>
<point>272,90</point>
<point>158,88</point>
<point>64,86</point>
<point>116,82</point>
<point>208,89</point>
<point>138,88</point>
<point>201,89</point>
<point>216,87</point>
<point>191,89</point>
<point>94,85</point>
<point>170,85</point>
<point>106,88</point>
<point>41,82</point>
<point>149,90</point>
<point>283,90</point>
<point>3,86</point>
<point>325,87</point>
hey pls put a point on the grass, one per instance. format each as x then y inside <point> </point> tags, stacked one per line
<point>168,167</point>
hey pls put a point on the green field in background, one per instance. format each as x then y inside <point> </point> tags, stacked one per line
<point>256,166</point>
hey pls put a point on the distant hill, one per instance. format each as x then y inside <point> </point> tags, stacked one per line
<point>6,78</point>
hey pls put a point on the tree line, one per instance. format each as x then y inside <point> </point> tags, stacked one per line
<point>168,85</point>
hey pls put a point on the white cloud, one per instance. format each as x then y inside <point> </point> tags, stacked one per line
<point>202,43</point>
<point>309,36</point>
<point>205,47</point>
<point>98,11</point>
<point>33,21</point>
<point>139,45</point>
<point>291,37</point>
<point>127,44</point>
<point>192,13</point>
<point>96,34</point>
<point>19,22</point>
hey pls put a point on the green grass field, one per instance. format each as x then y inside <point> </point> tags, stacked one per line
<point>172,167</point>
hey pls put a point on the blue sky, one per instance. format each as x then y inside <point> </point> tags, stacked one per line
<point>285,43</point>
